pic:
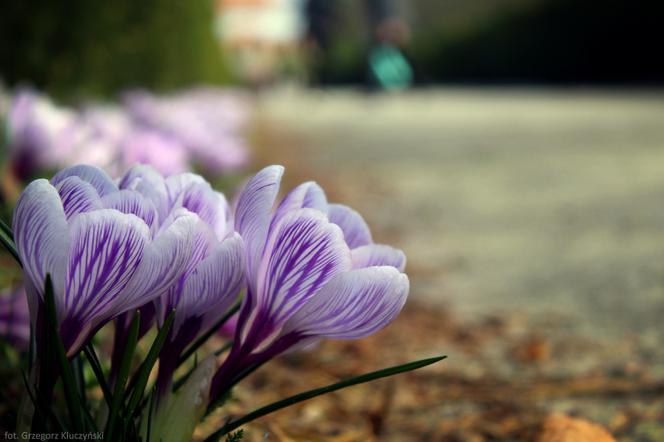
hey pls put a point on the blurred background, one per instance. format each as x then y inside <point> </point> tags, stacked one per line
<point>513,148</point>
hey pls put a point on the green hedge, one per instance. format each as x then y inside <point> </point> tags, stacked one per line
<point>96,48</point>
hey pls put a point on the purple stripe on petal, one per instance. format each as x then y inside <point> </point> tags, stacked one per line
<point>352,305</point>
<point>93,175</point>
<point>303,253</point>
<point>78,196</point>
<point>356,231</point>
<point>378,255</point>
<point>106,250</point>
<point>42,237</point>
<point>254,212</point>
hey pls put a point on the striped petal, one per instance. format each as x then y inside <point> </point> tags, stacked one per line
<point>303,253</point>
<point>163,262</point>
<point>356,231</point>
<point>78,196</point>
<point>254,212</point>
<point>214,284</point>
<point>378,255</point>
<point>42,237</point>
<point>149,183</point>
<point>352,305</point>
<point>106,250</point>
<point>131,202</point>
<point>93,175</point>
<point>210,206</point>
<point>306,195</point>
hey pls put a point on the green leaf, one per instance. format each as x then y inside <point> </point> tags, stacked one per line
<point>73,400</point>
<point>90,353</point>
<point>123,375</point>
<point>205,336</point>
<point>391,371</point>
<point>146,367</point>
<point>7,240</point>
<point>179,382</point>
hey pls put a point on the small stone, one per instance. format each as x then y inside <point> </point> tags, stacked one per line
<point>561,428</point>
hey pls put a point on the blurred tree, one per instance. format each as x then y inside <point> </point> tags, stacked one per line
<point>83,48</point>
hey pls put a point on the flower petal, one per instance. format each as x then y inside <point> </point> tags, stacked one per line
<point>149,183</point>
<point>303,253</point>
<point>254,212</point>
<point>352,305</point>
<point>42,237</point>
<point>306,195</point>
<point>378,255</point>
<point>132,202</point>
<point>356,231</point>
<point>78,196</point>
<point>214,284</point>
<point>93,175</point>
<point>163,262</point>
<point>209,205</point>
<point>106,250</point>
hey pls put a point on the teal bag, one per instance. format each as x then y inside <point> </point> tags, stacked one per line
<point>390,68</point>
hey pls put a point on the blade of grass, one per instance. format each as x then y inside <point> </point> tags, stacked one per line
<point>43,409</point>
<point>150,410</point>
<point>123,375</point>
<point>146,367</point>
<point>99,373</point>
<point>7,240</point>
<point>5,228</point>
<point>68,380</point>
<point>205,336</point>
<point>391,371</point>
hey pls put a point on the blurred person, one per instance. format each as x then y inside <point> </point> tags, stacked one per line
<point>388,34</point>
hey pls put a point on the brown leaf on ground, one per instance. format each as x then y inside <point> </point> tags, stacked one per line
<point>561,428</point>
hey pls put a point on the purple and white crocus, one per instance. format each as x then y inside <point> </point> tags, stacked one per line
<point>313,272</point>
<point>213,276</point>
<point>107,249</point>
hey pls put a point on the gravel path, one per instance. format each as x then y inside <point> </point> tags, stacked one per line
<point>548,203</point>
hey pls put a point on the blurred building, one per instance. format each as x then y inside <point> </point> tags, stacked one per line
<point>260,37</point>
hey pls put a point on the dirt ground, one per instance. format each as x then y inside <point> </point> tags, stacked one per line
<point>534,229</point>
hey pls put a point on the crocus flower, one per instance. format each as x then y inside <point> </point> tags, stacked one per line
<point>213,276</point>
<point>312,273</point>
<point>107,250</point>
<point>15,318</point>
<point>208,122</point>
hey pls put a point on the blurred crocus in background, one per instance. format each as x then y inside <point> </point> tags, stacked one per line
<point>208,122</point>
<point>15,318</point>
<point>312,273</point>
<point>40,135</point>
<point>203,127</point>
